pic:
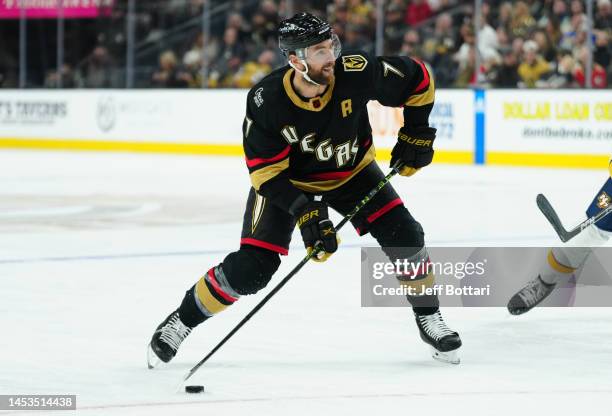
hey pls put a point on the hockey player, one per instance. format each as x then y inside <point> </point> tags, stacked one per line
<point>564,261</point>
<point>306,133</point>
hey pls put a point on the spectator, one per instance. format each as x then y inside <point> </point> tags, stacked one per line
<point>577,9</point>
<point>394,26</point>
<point>466,59</point>
<point>439,5</point>
<point>236,21</point>
<point>411,46</point>
<point>339,31</point>
<point>243,45</point>
<point>553,31</point>
<point>517,46</point>
<point>444,66</point>
<point>504,18</point>
<point>417,11</point>
<point>8,70</point>
<point>229,59</point>
<point>561,15</point>
<point>488,55</point>
<point>444,27</point>
<point>601,54</point>
<point>438,49</point>
<point>503,40</point>
<point>338,12</point>
<point>99,70</point>
<point>577,35</point>
<point>522,21</point>
<point>167,75</point>
<point>209,48</point>
<point>263,32</point>
<point>351,38</point>
<point>603,16</point>
<point>534,67</point>
<point>442,40</point>
<point>270,11</point>
<point>485,11</point>
<point>563,74</point>
<point>360,14</point>
<point>506,75</point>
<point>463,54</point>
<point>487,39</point>
<point>191,74</point>
<point>67,75</point>
<point>544,45</point>
<point>603,35</point>
<point>231,48</point>
<point>112,36</point>
<point>465,73</point>
<point>598,76</point>
<point>252,72</point>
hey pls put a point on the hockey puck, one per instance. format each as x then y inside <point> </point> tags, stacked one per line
<point>194,389</point>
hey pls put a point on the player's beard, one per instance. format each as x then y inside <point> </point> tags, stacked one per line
<point>322,76</point>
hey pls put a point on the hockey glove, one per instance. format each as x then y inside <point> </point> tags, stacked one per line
<point>413,149</point>
<point>317,230</point>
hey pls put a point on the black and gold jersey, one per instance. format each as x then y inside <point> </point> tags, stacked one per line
<point>294,144</point>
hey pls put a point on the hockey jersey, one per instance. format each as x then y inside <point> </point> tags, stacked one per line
<point>294,144</point>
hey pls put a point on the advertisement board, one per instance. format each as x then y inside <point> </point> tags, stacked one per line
<point>452,116</point>
<point>556,127</point>
<point>193,121</point>
<point>51,9</point>
<point>190,116</point>
<point>520,127</point>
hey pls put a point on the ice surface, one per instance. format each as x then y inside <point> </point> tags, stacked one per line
<point>96,249</point>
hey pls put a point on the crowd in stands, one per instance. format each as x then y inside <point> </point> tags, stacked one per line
<point>526,44</point>
<point>520,44</point>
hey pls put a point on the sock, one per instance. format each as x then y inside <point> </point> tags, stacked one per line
<point>563,261</point>
<point>189,312</point>
<point>209,296</point>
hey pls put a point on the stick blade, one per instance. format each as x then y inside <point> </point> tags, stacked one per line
<point>552,217</point>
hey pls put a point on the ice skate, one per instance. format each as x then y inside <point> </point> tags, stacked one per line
<point>166,340</point>
<point>443,341</point>
<point>529,296</point>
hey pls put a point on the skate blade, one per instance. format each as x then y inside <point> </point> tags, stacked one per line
<point>449,357</point>
<point>152,358</point>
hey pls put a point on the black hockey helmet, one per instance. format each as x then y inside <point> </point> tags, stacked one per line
<point>301,31</point>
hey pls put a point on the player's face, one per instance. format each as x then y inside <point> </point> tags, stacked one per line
<point>321,59</point>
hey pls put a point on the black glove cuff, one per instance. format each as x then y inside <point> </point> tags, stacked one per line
<point>298,205</point>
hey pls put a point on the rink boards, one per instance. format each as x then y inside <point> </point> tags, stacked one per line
<point>561,128</point>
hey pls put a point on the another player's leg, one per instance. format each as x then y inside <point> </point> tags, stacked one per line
<point>562,262</point>
<point>266,234</point>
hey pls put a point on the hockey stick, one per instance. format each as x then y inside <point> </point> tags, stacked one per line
<point>553,219</point>
<point>296,269</point>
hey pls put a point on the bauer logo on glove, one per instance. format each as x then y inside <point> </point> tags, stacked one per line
<point>413,149</point>
<point>307,217</point>
<point>317,230</point>
<point>413,141</point>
